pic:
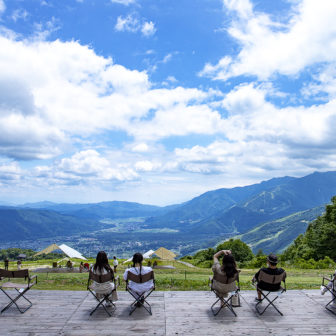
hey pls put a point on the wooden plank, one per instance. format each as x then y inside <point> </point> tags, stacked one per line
<point>174,313</point>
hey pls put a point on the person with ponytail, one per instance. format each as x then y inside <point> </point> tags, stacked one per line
<point>101,267</point>
<point>228,270</point>
<point>139,269</point>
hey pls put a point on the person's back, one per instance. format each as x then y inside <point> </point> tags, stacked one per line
<point>225,275</point>
<point>138,269</point>
<point>102,267</point>
<point>269,278</point>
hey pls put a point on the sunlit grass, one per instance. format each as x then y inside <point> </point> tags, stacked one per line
<point>180,278</point>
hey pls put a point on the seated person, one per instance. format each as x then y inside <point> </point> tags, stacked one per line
<point>139,288</point>
<point>101,267</point>
<point>87,267</point>
<point>69,264</point>
<point>227,272</point>
<point>331,285</point>
<point>272,270</point>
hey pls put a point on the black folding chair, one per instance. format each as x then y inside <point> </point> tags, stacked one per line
<point>332,290</point>
<point>21,288</point>
<point>108,277</point>
<point>140,298</point>
<point>267,294</point>
<point>225,301</point>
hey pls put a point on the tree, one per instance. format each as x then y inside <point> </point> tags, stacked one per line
<point>241,251</point>
<point>319,239</point>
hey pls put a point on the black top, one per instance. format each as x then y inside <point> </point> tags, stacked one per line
<point>266,285</point>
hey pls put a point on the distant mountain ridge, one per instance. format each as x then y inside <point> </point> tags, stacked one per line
<point>275,208</point>
<point>241,209</point>
<point>25,224</point>
<point>112,210</point>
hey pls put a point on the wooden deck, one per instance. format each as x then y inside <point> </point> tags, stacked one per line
<point>174,313</point>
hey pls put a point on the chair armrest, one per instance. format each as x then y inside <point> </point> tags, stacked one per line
<point>116,281</point>
<point>32,278</point>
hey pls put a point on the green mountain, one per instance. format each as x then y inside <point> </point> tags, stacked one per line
<point>24,224</point>
<point>277,235</point>
<point>241,209</point>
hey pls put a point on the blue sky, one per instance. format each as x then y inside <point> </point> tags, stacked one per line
<point>160,101</point>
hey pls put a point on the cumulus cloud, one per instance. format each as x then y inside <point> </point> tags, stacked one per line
<point>87,167</point>
<point>131,24</point>
<point>148,28</point>
<point>54,92</point>
<point>273,47</point>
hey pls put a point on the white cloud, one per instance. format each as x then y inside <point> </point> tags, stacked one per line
<point>270,47</point>
<point>128,23</point>
<point>131,24</point>
<point>19,14</point>
<point>86,167</point>
<point>141,148</point>
<point>2,6</point>
<point>148,28</point>
<point>124,2</point>
<point>10,172</point>
<point>55,92</point>
<point>146,166</point>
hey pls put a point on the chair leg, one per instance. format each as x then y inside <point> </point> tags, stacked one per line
<point>327,306</point>
<point>13,301</point>
<point>224,303</point>
<point>270,303</point>
<point>140,301</point>
<point>101,303</point>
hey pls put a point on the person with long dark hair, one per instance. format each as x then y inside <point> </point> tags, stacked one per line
<point>228,270</point>
<point>101,267</point>
<point>139,269</point>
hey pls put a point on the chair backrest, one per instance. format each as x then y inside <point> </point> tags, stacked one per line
<point>101,278</point>
<point>222,278</point>
<point>14,274</point>
<point>271,279</point>
<point>140,279</point>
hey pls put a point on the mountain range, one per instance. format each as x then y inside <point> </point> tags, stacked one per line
<point>267,215</point>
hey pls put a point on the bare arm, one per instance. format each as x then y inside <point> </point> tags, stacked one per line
<point>219,253</point>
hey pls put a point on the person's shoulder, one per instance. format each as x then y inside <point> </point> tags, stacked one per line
<point>281,270</point>
<point>147,269</point>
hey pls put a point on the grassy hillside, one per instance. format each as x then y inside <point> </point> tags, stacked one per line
<point>25,224</point>
<point>277,235</point>
<point>180,278</point>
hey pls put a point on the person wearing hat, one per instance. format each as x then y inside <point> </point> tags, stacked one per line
<point>272,269</point>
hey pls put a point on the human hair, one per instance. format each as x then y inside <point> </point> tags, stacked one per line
<point>137,259</point>
<point>272,264</point>
<point>229,266</point>
<point>102,262</point>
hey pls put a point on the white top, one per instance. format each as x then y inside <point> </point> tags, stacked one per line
<point>115,262</point>
<point>139,287</point>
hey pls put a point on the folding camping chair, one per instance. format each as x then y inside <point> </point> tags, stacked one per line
<point>102,279</point>
<point>269,279</point>
<point>140,298</point>
<point>329,285</point>
<point>225,301</point>
<point>21,288</point>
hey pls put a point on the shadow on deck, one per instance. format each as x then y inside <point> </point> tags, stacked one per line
<point>174,313</point>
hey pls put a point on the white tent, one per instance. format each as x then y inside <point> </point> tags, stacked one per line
<point>70,252</point>
<point>146,255</point>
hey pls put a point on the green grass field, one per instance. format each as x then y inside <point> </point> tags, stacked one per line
<point>180,278</point>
